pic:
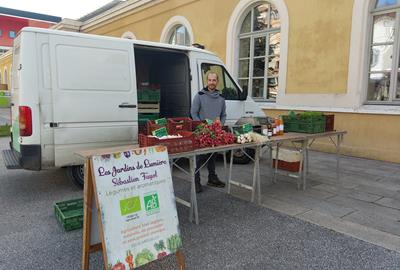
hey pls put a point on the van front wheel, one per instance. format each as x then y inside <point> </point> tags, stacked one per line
<point>76,174</point>
<point>239,157</point>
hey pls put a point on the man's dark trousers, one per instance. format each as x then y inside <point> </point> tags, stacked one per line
<point>200,159</point>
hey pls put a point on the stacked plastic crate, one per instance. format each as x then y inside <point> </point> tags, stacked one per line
<point>148,105</point>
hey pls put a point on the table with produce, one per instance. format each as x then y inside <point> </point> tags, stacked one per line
<point>186,138</point>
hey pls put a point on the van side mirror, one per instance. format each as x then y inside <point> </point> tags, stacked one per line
<point>243,94</point>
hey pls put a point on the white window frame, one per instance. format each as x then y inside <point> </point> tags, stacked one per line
<point>232,44</point>
<point>357,82</point>
<point>253,35</point>
<point>395,55</point>
<point>170,26</point>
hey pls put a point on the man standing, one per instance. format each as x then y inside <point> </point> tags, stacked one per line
<point>208,104</point>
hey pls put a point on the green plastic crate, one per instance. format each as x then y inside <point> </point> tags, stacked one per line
<point>144,117</point>
<point>148,95</point>
<point>315,124</point>
<point>70,214</point>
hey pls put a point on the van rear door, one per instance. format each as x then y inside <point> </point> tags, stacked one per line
<point>94,95</point>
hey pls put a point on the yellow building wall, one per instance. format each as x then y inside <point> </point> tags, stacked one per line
<point>368,135</point>
<point>319,36</point>
<point>208,18</point>
<point>319,46</point>
<point>6,63</point>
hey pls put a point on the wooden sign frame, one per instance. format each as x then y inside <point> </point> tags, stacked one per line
<point>89,197</point>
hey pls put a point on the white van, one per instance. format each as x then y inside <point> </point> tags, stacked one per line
<point>73,91</point>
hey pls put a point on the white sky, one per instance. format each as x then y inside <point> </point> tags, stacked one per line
<point>72,9</point>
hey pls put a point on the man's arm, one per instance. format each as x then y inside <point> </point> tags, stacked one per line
<point>223,113</point>
<point>195,110</point>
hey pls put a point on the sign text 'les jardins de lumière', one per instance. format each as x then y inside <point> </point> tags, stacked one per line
<point>137,204</point>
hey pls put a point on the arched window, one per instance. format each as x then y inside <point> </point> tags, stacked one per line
<point>177,31</point>
<point>384,45</point>
<point>128,35</point>
<point>179,36</point>
<point>259,51</point>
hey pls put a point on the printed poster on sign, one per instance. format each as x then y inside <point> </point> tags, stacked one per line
<point>137,204</point>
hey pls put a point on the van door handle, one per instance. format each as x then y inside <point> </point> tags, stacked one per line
<point>126,105</point>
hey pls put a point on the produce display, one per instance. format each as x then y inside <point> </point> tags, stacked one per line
<point>244,138</point>
<point>167,137</point>
<point>258,138</point>
<point>251,137</point>
<point>305,122</point>
<point>212,135</point>
<point>188,136</point>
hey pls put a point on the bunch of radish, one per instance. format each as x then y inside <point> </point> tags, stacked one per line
<point>213,135</point>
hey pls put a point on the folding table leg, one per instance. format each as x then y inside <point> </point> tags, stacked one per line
<point>193,199</point>
<point>304,158</point>
<point>258,152</point>
<point>339,140</point>
<point>276,163</point>
<point>225,167</point>
<point>228,184</point>
<point>256,171</point>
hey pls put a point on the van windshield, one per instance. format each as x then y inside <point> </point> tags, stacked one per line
<point>227,86</point>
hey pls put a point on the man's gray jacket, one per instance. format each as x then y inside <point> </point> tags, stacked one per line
<point>208,105</point>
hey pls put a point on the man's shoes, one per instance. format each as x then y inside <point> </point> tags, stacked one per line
<point>213,181</point>
<point>198,186</point>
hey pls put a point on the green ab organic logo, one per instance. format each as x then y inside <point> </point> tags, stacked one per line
<point>151,203</point>
<point>130,205</point>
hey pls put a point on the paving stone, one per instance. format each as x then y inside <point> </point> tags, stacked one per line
<point>368,234</point>
<point>374,220</point>
<point>393,179</point>
<point>366,207</point>
<point>335,189</point>
<point>389,202</point>
<point>363,196</point>
<point>305,201</point>
<point>282,206</point>
<point>385,192</point>
<point>372,183</point>
<point>333,181</point>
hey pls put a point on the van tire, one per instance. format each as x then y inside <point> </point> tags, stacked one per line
<point>76,175</point>
<point>240,158</point>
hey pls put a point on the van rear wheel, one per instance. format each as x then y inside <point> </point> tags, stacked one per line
<point>76,174</point>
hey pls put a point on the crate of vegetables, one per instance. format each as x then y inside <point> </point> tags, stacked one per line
<point>70,214</point>
<point>182,142</point>
<point>178,124</point>
<point>306,122</point>
<point>197,124</point>
<point>155,124</point>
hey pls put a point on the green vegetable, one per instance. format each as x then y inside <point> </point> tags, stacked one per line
<point>310,114</point>
<point>292,114</point>
<point>143,257</point>
<point>160,246</point>
<point>174,243</point>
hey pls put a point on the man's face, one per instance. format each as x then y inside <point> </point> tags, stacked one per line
<point>212,81</point>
